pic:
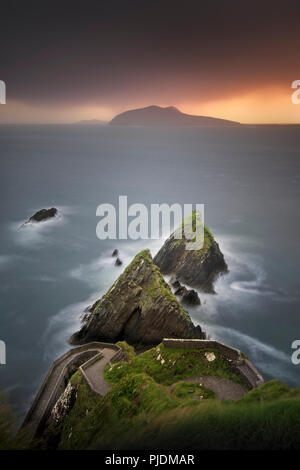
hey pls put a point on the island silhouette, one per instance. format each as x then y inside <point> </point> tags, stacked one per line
<point>168,116</point>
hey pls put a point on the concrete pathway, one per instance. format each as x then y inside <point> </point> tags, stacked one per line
<point>59,374</point>
<point>94,373</point>
<point>224,389</point>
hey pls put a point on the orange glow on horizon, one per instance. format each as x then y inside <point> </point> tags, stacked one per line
<point>260,106</point>
<point>270,105</point>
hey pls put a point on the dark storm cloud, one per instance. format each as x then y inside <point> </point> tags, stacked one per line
<point>112,51</point>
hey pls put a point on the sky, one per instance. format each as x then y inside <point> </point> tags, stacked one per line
<point>65,62</point>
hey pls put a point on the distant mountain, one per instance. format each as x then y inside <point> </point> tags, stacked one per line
<point>170,116</point>
<point>96,122</point>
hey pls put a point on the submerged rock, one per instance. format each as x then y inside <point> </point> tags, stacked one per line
<point>198,267</point>
<point>118,262</point>
<point>115,252</point>
<point>191,297</point>
<point>43,214</point>
<point>139,308</point>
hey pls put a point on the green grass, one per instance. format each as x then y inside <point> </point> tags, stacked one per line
<point>270,391</point>
<point>150,406</point>
<point>127,349</point>
<point>7,422</point>
<point>139,413</point>
<point>189,391</point>
<point>178,365</point>
<point>189,226</point>
<point>221,425</point>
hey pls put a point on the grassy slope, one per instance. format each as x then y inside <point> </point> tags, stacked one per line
<point>143,411</point>
<point>7,421</point>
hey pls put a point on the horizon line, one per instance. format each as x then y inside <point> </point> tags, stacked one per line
<point>103,122</point>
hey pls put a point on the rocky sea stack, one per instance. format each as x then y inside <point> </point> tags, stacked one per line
<point>198,267</point>
<point>43,214</point>
<point>139,308</point>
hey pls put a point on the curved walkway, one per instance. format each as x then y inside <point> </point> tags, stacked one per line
<point>93,370</point>
<point>91,359</point>
<point>224,389</point>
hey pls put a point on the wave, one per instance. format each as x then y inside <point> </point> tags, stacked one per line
<point>247,275</point>
<point>103,271</point>
<point>62,325</point>
<point>99,274</point>
<point>268,359</point>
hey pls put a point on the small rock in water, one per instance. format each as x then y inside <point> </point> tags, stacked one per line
<point>118,262</point>
<point>191,297</point>
<point>181,291</point>
<point>176,284</point>
<point>115,252</point>
<point>43,214</point>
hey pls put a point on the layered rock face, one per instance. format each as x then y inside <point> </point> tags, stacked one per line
<point>198,268</point>
<point>139,308</point>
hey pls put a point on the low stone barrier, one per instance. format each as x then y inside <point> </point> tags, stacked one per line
<point>227,351</point>
<point>249,373</point>
<point>243,367</point>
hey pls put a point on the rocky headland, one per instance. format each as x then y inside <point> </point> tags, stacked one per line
<point>139,308</point>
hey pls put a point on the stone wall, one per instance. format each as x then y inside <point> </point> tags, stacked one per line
<point>227,351</point>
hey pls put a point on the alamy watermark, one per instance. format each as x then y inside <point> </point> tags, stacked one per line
<point>296,93</point>
<point>2,352</point>
<point>2,92</point>
<point>144,224</point>
<point>296,354</point>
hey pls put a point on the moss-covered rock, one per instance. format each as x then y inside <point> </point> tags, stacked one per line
<point>198,267</point>
<point>139,308</point>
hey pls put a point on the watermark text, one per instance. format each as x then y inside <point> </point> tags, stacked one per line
<point>296,93</point>
<point>2,352</point>
<point>296,354</point>
<point>137,222</point>
<point>2,92</point>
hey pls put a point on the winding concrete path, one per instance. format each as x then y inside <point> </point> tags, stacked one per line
<point>93,373</point>
<point>91,359</point>
<point>224,389</point>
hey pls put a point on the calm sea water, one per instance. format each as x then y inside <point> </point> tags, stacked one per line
<point>248,180</point>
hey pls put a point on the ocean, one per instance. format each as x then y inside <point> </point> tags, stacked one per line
<point>247,178</point>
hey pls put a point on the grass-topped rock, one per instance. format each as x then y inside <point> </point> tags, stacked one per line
<point>198,267</point>
<point>139,308</point>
